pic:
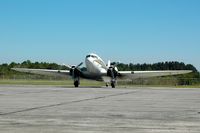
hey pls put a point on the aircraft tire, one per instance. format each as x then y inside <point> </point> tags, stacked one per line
<point>76,83</point>
<point>113,85</point>
<point>106,84</point>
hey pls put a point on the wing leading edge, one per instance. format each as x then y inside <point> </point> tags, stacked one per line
<point>147,74</point>
<point>122,74</point>
<point>60,73</point>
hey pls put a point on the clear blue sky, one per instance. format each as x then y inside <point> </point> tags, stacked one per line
<point>64,31</point>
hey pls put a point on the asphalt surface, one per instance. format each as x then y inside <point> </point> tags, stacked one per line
<point>35,109</point>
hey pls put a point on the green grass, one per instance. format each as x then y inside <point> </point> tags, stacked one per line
<point>49,82</point>
<point>83,83</point>
<point>171,86</point>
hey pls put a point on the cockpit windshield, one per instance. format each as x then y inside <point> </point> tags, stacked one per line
<point>93,56</point>
<point>87,56</point>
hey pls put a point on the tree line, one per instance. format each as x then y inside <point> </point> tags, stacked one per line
<point>173,65</point>
<point>5,69</point>
<point>186,79</point>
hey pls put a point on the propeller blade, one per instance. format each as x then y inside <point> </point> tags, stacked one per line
<point>72,66</point>
<point>117,63</point>
<point>108,63</point>
<point>68,66</point>
<point>79,65</point>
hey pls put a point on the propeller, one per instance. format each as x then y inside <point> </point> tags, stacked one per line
<point>108,65</point>
<point>79,65</point>
<point>72,66</point>
<point>74,70</point>
<point>112,70</point>
<point>114,66</point>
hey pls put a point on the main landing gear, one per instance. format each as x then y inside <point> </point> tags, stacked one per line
<point>113,83</point>
<point>76,83</point>
<point>112,73</point>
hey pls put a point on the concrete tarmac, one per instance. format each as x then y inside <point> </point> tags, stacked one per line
<point>34,109</point>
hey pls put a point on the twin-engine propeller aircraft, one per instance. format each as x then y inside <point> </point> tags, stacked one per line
<point>96,69</point>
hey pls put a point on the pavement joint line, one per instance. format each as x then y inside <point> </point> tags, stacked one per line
<point>65,103</point>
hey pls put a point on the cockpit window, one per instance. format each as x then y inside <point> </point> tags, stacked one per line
<point>87,56</point>
<point>93,56</point>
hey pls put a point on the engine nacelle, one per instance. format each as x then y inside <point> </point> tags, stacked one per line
<point>74,72</point>
<point>112,72</point>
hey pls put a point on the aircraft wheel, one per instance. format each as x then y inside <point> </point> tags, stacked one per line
<point>113,85</point>
<point>76,83</point>
<point>106,84</point>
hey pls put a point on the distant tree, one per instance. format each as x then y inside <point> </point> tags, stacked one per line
<point>174,65</point>
<point>187,79</point>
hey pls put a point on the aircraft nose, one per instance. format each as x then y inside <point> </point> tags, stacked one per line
<point>88,59</point>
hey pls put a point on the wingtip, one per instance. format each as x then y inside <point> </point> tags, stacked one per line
<point>187,71</point>
<point>13,68</point>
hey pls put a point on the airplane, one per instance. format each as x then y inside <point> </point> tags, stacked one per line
<point>96,69</point>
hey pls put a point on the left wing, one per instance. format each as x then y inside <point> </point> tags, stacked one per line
<point>147,74</point>
<point>60,73</point>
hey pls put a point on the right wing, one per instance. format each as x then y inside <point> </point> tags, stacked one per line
<point>147,74</point>
<point>60,73</point>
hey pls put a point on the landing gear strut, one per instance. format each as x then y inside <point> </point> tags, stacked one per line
<point>76,81</point>
<point>113,74</point>
<point>75,73</point>
<point>113,83</point>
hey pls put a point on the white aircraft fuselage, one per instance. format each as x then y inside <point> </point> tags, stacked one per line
<point>95,65</point>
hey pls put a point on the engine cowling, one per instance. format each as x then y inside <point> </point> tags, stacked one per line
<point>112,72</point>
<point>74,72</point>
